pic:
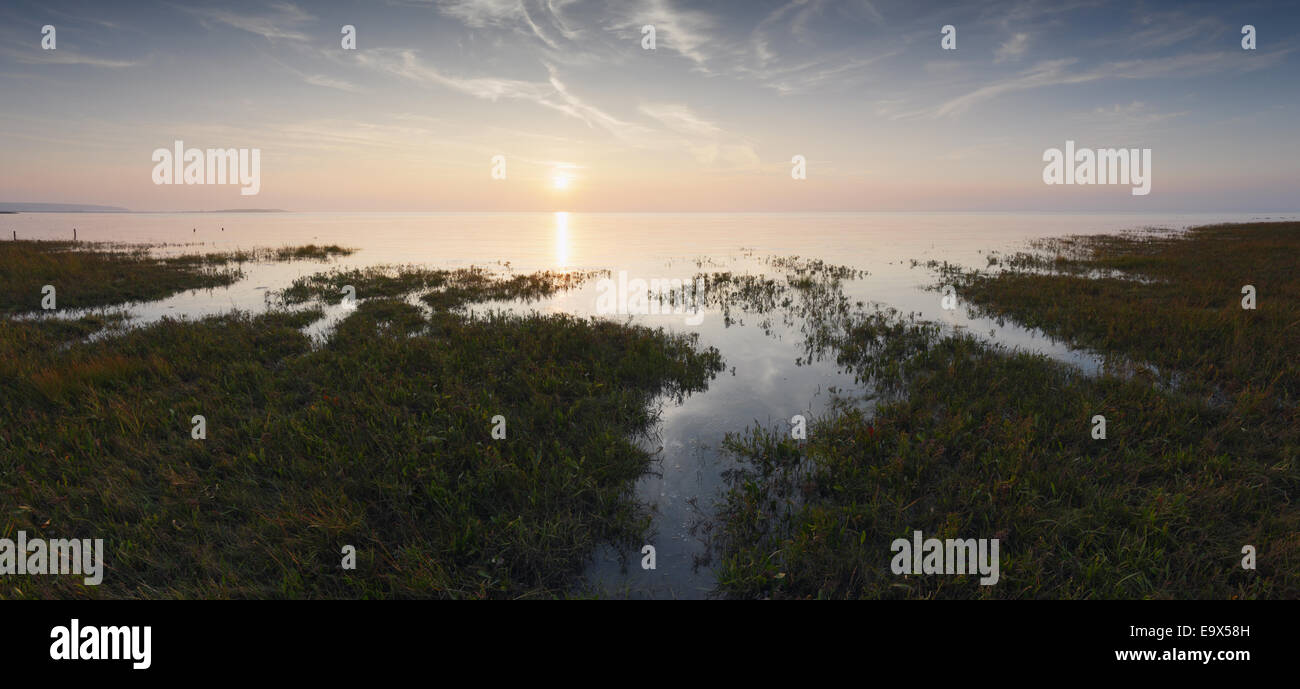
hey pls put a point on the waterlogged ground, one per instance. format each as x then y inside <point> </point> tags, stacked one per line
<point>1171,473</point>
<point>769,372</point>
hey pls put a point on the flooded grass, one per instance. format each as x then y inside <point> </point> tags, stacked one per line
<point>88,275</point>
<point>381,436</point>
<point>439,288</point>
<point>976,441</point>
<point>381,439</point>
<point>1185,316</point>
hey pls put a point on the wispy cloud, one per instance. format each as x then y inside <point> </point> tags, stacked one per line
<point>593,116</point>
<point>1013,49</point>
<point>64,56</point>
<point>407,64</point>
<point>738,157</point>
<point>685,32</point>
<point>282,23</point>
<point>844,72</point>
<point>540,19</point>
<point>852,84</point>
<point>552,93</point>
<point>1171,28</point>
<point>1058,73</point>
<point>715,40</point>
<point>712,147</point>
<point>679,118</point>
<point>481,13</point>
<point>331,82</point>
<point>1134,112</point>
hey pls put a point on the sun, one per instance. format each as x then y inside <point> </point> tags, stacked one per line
<point>560,182</point>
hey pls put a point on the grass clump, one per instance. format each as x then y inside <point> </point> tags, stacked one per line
<point>439,288</point>
<point>88,275</point>
<point>1169,300</point>
<point>310,252</point>
<point>974,441</point>
<point>380,439</point>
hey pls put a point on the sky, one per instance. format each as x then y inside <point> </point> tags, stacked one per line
<point>588,119</point>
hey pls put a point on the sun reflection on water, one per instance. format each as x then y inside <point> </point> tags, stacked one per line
<point>561,239</point>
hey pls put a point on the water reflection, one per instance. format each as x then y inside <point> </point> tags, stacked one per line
<point>561,239</point>
<point>767,379</point>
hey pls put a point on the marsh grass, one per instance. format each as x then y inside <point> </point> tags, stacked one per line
<point>1175,303</point>
<point>87,275</point>
<point>438,288</point>
<point>975,441</point>
<point>380,439</point>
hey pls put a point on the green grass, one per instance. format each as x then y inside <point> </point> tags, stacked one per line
<point>379,439</point>
<point>86,275</point>
<point>441,289</point>
<point>973,441</point>
<point>1169,300</point>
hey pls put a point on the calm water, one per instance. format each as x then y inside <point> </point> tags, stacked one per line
<point>763,383</point>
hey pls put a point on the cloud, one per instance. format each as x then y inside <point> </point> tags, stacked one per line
<point>552,93</point>
<point>272,26</point>
<point>840,73</point>
<point>685,32</point>
<point>1048,73</point>
<point>541,19</point>
<point>407,64</point>
<point>708,143</point>
<point>786,55</point>
<point>481,13</point>
<point>330,82</point>
<point>63,56</point>
<point>1128,121</point>
<point>714,39</point>
<point>1057,73</point>
<point>593,116</point>
<point>1013,49</point>
<point>679,118</point>
<point>1172,28</point>
<point>727,157</point>
<point>682,128</point>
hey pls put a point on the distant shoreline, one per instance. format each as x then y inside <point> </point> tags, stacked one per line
<point>16,208</point>
<point>1268,215</point>
<point>243,210</point>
